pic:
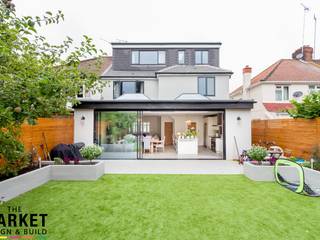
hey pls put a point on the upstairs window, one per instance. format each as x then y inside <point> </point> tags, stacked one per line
<point>282,93</point>
<point>314,88</point>
<point>148,57</point>
<point>181,59</point>
<point>206,86</point>
<point>201,57</point>
<point>123,87</point>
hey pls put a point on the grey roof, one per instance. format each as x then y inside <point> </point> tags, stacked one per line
<point>187,69</point>
<point>176,69</point>
<point>131,74</point>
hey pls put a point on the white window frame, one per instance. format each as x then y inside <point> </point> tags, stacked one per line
<point>282,89</point>
<point>183,57</point>
<point>314,88</point>
<point>202,62</point>
<point>161,57</point>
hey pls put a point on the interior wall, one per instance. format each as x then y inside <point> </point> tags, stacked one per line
<point>155,124</point>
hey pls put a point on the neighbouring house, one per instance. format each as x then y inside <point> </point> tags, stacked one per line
<point>165,101</point>
<point>283,81</point>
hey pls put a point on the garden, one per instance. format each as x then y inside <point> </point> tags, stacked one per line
<point>172,207</point>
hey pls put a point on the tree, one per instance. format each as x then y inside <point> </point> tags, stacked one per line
<point>37,79</point>
<point>309,107</point>
<point>8,4</point>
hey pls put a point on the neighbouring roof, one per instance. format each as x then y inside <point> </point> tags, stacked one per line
<point>286,70</point>
<point>277,107</point>
<point>96,65</point>
<point>188,69</point>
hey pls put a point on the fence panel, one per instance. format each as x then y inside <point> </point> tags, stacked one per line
<point>297,135</point>
<point>56,130</point>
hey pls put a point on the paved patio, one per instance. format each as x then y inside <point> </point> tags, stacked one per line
<point>173,167</point>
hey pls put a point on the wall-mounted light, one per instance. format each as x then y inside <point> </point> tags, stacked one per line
<point>238,118</point>
<point>82,120</point>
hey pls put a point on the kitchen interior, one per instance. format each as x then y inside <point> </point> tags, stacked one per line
<point>171,127</point>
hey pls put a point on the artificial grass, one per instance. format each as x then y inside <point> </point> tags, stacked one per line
<point>172,207</point>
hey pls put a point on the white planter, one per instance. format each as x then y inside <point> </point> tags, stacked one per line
<point>266,173</point>
<point>15,186</point>
<point>77,172</point>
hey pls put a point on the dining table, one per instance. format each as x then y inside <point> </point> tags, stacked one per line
<point>154,142</point>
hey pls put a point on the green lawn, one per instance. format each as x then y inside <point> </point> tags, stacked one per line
<point>172,207</point>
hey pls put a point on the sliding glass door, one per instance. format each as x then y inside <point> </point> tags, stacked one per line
<point>118,133</point>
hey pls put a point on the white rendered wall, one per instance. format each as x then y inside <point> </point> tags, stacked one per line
<point>241,129</point>
<point>83,129</point>
<point>151,89</point>
<point>171,86</point>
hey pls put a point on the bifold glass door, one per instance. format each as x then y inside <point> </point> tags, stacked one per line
<point>119,134</point>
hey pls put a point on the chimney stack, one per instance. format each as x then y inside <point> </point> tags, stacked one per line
<point>246,82</point>
<point>306,56</point>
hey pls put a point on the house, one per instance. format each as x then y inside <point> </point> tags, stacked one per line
<point>165,101</point>
<point>281,82</point>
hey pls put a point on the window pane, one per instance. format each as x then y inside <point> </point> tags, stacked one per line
<point>116,89</point>
<point>202,86</point>
<point>148,57</point>
<point>139,87</point>
<point>198,57</point>
<point>114,132</point>
<point>204,57</point>
<point>285,93</point>
<point>210,86</point>
<point>161,57</point>
<point>135,57</point>
<point>181,57</point>
<point>128,87</point>
<point>278,95</point>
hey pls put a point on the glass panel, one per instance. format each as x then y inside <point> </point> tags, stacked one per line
<point>210,87</point>
<point>285,93</point>
<point>148,57</point>
<point>181,57</point>
<point>198,57</point>
<point>204,57</point>
<point>128,87</point>
<point>202,86</point>
<point>161,57</point>
<point>116,89</point>
<point>114,132</point>
<point>135,57</point>
<point>278,94</point>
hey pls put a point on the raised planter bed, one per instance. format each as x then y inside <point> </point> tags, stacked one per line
<point>15,186</point>
<point>266,173</point>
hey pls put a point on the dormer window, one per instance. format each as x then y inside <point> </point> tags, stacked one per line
<point>148,57</point>
<point>181,59</point>
<point>201,57</point>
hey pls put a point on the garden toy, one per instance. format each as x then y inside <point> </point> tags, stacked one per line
<point>292,176</point>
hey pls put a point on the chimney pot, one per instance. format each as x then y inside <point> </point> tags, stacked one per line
<point>247,69</point>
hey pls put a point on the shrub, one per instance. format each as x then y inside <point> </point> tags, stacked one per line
<point>91,152</point>
<point>257,153</point>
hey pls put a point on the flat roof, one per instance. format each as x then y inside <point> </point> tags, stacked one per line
<point>166,44</point>
<point>166,105</point>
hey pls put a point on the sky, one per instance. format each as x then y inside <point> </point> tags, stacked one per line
<point>254,33</point>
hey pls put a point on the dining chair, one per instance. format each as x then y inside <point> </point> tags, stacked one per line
<point>160,145</point>
<point>147,143</point>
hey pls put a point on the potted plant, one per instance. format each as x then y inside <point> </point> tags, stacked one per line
<point>91,152</point>
<point>257,153</point>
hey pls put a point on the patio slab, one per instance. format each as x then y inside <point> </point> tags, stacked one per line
<point>172,167</point>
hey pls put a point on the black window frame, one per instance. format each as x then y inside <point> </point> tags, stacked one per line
<point>184,57</point>
<point>195,57</point>
<point>157,51</point>
<point>121,87</point>
<point>206,84</point>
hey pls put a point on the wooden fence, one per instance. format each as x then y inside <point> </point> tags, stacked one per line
<point>56,130</point>
<point>297,135</point>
